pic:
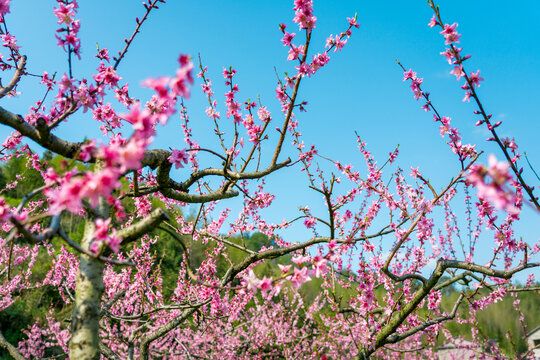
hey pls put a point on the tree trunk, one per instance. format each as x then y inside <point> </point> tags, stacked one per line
<point>84,344</point>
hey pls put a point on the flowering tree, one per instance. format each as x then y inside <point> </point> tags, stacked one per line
<point>371,302</point>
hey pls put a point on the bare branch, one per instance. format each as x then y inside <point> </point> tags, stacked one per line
<point>401,336</point>
<point>16,77</point>
<point>502,274</point>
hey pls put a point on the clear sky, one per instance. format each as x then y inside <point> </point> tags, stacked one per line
<point>361,89</point>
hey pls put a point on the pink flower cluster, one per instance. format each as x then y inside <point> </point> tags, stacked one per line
<point>490,182</point>
<point>415,83</point>
<point>5,210</point>
<point>233,106</point>
<point>68,38</point>
<point>102,236</point>
<point>304,14</point>
<point>168,89</point>
<point>4,7</point>
<point>462,150</point>
<point>452,54</point>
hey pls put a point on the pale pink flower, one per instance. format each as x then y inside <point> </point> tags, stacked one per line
<point>433,22</point>
<point>284,268</point>
<point>251,281</point>
<point>299,277</point>
<point>102,228</point>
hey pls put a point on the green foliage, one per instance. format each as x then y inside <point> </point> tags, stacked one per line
<point>17,169</point>
<point>498,320</point>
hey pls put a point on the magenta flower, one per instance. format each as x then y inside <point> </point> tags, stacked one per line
<point>265,285</point>
<point>450,34</point>
<point>409,75</point>
<point>102,228</point>
<point>320,266</point>
<point>4,7</point>
<point>114,242</point>
<point>4,210</point>
<point>287,38</point>
<point>159,85</point>
<point>310,222</point>
<point>352,22</point>
<point>458,72</point>
<point>178,158</point>
<point>475,78</point>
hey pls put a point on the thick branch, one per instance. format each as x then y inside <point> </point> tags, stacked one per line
<point>149,223</point>
<point>12,350</point>
<point>49,141</point>
<point>148,338</point>
<point>502,274</point>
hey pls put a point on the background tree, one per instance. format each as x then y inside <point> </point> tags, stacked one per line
<point>108,217</point>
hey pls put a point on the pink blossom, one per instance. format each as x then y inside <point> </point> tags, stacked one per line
<point>107,75</point>
<point>299,277</point>
<point>4,210</point>
<point>4,7</point>
<point>178,158</point>
<point>114,242</point>
<point>353,23</point>
<point>287,38</point>
<point>310,222</point>
<point>304,14</point>
<point>251,281</point>
<point>131,155</point>
<point>300,259</point>
<point>142,121</point>
<point>284,268</point>
<point>265,285</point>
<point>64,13</point>
<point>433,22</point>
<point>450,34</point>
<point>100,184</point>
<point>494,191</point>
<point>10,42</point>
<point>409,75</point>
<point>320,265</point>
<point>449,55</point>
<point>159,85</point>
<point>103,54</point>
<point>475,78</point>
<point>102,228</point>
<point>87,150</point>
<point>458,72</point>
<point>179,84</point>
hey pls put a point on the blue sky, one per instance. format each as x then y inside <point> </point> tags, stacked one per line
<point>361,89</point>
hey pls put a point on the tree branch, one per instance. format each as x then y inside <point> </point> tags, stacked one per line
<point>149,223</point>
<point>16,77</point>
<point>10,348</point>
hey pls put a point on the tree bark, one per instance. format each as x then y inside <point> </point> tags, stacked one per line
<point>84,344</point>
